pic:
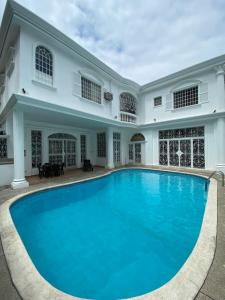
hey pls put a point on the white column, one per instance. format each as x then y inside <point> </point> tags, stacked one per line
<point>19,180</point>
<point>220,132</point>
<point>220,88</point>
<point>109,147</point>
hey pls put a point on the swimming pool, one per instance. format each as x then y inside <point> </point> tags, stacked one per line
<point>123,235</point>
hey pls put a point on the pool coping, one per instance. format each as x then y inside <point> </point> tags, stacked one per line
<point>184,285</point>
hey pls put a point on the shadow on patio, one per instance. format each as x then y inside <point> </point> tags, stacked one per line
<point>70,175</point>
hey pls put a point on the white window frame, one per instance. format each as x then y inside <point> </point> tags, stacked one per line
<point>183,89</point>
<point>35,80</point>
<point>101,152</point>
<point>93,77</point>
<point>157,98</point>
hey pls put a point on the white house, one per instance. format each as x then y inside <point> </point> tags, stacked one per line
<point>60,103</point>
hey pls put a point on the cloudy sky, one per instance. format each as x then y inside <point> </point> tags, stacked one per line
<point>142,40</point>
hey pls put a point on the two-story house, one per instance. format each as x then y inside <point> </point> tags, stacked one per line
<point>59,103</point>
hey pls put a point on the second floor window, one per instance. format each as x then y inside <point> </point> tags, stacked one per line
<point>128,103</point>
<point>44,65</point>
<point>158,101</point>
<point>90,90</point>
<point>185,97</point>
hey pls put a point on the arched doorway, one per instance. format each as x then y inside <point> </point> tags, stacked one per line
<point>62,148</point>
<point>136,148</point>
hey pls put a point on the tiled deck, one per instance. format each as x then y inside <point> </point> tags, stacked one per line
<point>214,286</point>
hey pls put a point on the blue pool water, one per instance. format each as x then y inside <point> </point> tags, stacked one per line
<point>116,237</point>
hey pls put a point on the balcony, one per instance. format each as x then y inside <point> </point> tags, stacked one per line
<point>128,117</point>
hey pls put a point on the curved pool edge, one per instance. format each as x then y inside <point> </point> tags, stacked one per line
<point>184,285</point>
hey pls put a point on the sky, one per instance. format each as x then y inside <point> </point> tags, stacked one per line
<point>141,40</point>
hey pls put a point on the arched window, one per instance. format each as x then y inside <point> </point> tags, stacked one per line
<point>44,65</point>
<point>128,103</point>
<point>62,136</point>
<point>137,137</point>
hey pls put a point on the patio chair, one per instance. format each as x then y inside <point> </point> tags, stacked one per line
<point>87,166</point>
<point>56,169</point>
<point>40,170</point>
<point>61,168</point>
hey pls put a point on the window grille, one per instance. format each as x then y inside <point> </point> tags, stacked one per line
<point>181,133</point>
<point>82,147</point>
<point>44,65</point>
<point>157,101</point>
<point>183,147</point>
<point>90,90</point>
<point>101,144</point>
<point>36,148</point>
<point>185,97</point>
<point>128,103</point>
<point>116,147</point>
<point>3,147</point>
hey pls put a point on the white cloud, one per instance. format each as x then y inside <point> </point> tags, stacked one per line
<point>142,40</point>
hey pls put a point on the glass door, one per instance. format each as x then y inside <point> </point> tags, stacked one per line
<point>131,153</point>
<point>69,153</point>
<point>185,153</point>
<point>56,151</point>
<point>116,148</point>
<point>137,149</point>
<point>62,151</point>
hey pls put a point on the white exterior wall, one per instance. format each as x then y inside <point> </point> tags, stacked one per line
<point>161,113</point>
<point>65,63</point>
<point>12,80</point>
<point>6,172</point>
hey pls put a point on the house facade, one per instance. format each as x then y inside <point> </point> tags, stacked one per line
<point>59,103</point>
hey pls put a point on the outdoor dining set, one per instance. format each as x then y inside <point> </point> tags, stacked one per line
<point>51,169</point>
<point>57,169</point>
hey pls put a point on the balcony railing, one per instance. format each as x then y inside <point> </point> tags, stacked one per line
<point>127,117</point>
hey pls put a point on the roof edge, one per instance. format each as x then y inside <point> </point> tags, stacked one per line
<point>196,68</point>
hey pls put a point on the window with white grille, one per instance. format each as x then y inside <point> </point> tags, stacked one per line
<point>90,90</point>
<point>36,148</point>
<point>3,147</point>
<point>185,97</point>
<point>43,65</point>
<point>82,147</point>
<point>101,144</point>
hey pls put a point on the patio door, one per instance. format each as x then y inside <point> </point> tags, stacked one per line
<point>135,153</point>
<point>116,148</point>
<point>180,153</point>
<point>62,148</point>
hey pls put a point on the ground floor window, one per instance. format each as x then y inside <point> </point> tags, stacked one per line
<point>62,149</point>
<point>36,148</point>
<point>101,144</point>
<point>182,147</point>
<point>3,147</point>
<point>116,148</point>
<point>83,147</point>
